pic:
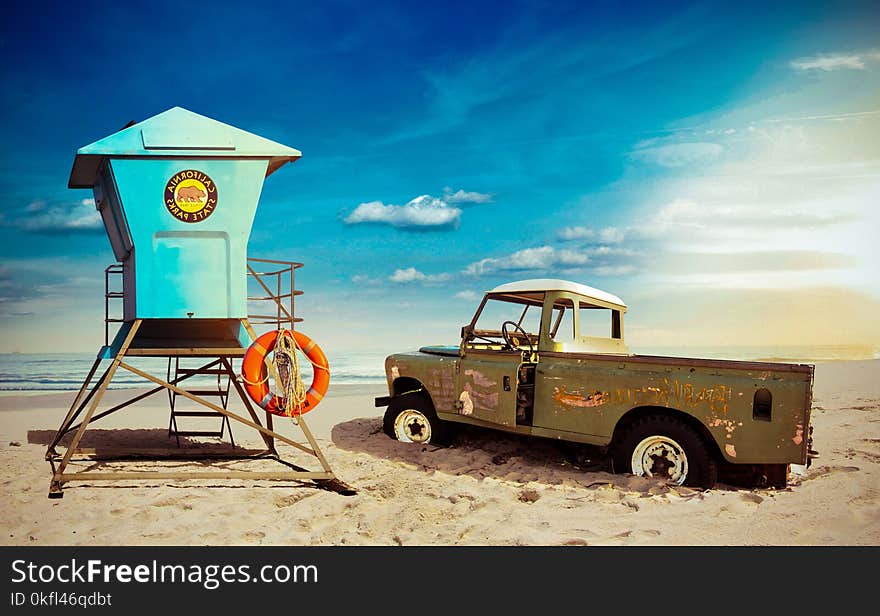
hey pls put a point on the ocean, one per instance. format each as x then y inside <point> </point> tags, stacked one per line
<point>66,371</point>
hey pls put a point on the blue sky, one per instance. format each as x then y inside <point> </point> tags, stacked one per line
<point>715,165</point>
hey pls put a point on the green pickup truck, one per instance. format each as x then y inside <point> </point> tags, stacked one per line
<point>547,358</point>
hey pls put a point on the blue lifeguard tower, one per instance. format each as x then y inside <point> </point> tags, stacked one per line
<point>178,193</point>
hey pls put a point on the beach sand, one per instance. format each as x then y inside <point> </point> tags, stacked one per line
<point>488,488</point>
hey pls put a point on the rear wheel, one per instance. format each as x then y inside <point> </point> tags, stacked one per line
<point>666,448</point>
<point>411,418</point>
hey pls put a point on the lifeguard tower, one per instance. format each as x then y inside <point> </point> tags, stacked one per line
<point>178,193</point>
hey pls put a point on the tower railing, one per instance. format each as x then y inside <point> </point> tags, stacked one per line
<point>278,284</point>
<point>276,287</point>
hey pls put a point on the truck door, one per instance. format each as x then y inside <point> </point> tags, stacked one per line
<point>487,383</point>
<point>488,373</point>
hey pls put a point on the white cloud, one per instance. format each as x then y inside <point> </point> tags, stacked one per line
<point>42,217</point>
<point>678,154</point>
<point>470,296</point>
<point>542,258</point>
<point>576,233</point>
<point>608,235</point>
<point>727,215</point>
<point>835,61</point>
<point>411,274</point>
<point>33,285</point>
<point>798,185</point>
<point>609,251</point>
<point>424,211</point>
<point>611,235</point>
<point>464,196</point>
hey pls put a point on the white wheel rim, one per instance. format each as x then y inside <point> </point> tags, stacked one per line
<point>411,426</point>
<point>661,457</point>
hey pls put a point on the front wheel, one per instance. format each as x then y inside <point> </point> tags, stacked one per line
<point>412,419</point>
<point>666,448</point>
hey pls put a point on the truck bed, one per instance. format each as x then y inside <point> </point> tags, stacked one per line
<point>726,364</point>
<point>719,393</point>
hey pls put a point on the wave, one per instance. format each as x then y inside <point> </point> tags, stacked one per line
<point>65,372</point>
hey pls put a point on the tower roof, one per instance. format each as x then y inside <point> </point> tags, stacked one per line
<point>178,133</point>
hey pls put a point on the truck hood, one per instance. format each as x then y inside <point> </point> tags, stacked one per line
<point>446,351</point>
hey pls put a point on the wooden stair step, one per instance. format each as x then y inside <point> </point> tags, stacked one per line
<point>187,371</point>
<point>197,433</point>
<point>207,392</point>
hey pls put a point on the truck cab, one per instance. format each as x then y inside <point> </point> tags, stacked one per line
<point>513,327</point>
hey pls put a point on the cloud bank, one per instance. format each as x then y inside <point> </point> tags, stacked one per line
<point>39,216</point>
<point>541,258</point>
<point>836,61</point>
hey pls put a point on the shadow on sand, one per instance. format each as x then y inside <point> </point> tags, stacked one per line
<point>153,449</point>
<point>141,438</point>
<point>483,452</point>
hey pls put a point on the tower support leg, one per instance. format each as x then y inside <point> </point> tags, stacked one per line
<point>100,388</point>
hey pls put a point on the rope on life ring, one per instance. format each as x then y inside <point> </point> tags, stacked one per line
<point>293,399</point>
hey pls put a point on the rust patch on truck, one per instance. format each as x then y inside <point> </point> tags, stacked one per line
<point>467,405</point>
<point>480,380</point>
<point>729,426</point>
<point>576,398</point>
<point>441,380</point>
<point>480,399</point>
<point>716,397</point>
<point>481,390</point>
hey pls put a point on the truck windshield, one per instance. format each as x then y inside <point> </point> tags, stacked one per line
<point>497,311</point>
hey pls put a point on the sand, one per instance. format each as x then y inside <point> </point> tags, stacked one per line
<point>487,489</point>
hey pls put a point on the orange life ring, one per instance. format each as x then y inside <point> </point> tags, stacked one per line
<point>253,369</point>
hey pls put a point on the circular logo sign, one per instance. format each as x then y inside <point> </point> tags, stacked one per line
<point>191,196</point>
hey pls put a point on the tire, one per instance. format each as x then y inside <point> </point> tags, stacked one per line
<point>667,448</point>
<point>411,418</point>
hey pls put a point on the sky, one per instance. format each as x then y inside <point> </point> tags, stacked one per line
<point>716,165</point>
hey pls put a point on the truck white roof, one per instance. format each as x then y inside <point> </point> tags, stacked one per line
<point>553,284</point>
